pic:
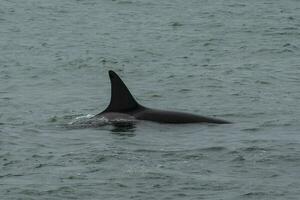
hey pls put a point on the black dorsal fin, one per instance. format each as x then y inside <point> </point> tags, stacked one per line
<point>121,99</point>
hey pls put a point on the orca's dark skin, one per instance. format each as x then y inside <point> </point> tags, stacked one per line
<point>123,105</point>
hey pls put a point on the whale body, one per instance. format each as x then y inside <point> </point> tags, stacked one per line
<point>124,106</point>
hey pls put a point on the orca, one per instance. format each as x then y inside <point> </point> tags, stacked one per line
<point>124,106</point>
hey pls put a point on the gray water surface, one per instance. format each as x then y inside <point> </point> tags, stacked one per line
<point>236,60</point>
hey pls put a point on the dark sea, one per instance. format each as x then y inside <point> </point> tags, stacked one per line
<point>236,60</point>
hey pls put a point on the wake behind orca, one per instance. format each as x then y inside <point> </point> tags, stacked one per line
<point>123,106</point>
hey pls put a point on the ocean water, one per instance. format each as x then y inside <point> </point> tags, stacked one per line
<point>236,60</point>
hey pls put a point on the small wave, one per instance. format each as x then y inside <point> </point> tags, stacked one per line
<point>184,90</point>
<point>90,121</point>
<point>10,175</point>
<point>239,158</point>
<point>291,158</point>
<point>81,118</point>
<point>216,148</point>
<point>254,194</point>
<point>176,24</point>
<point>125,2</point>
<point>87,121</point>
